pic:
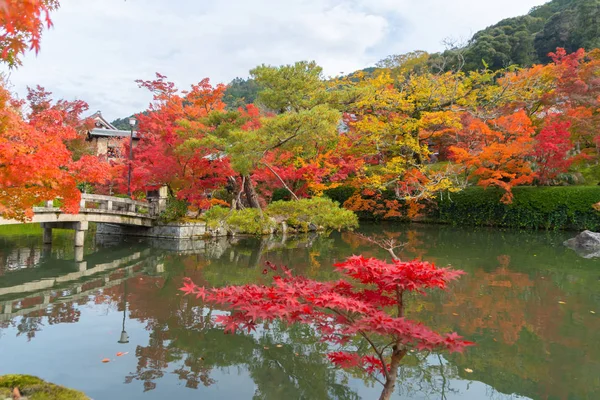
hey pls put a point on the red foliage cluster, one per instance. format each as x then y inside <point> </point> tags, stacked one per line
<point>369,305</point>
<point>22,22</point>
<point>37,155</point>
<point>161,159</point>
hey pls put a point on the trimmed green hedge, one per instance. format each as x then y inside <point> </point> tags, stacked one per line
<point>558,207</point>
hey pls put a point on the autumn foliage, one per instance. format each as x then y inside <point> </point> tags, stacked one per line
<point>22,22</point>
<point>36,157</point>
<point>162,156</point>
<point>368,304</point>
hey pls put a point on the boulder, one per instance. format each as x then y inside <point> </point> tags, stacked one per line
<point>586,244</point>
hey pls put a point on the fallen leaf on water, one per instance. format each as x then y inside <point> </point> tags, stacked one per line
<point>495,340</point>
<point>561,302</point>
<point>469,370</point>
<point>119,354</point>
<point>105,360</point>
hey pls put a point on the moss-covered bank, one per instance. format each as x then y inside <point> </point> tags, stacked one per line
<point>36,389</point>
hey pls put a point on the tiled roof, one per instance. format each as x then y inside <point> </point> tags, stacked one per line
<point>97,132</point>
<point>97,116</point>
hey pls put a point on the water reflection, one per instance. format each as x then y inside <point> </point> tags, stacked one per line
<point>525,300</point>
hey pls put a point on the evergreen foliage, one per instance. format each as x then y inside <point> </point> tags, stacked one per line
<point>560,207</point>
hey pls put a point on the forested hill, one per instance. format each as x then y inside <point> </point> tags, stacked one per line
<point>527,40</point>
<point>522,41</point>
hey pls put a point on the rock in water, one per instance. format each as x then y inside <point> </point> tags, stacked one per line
<point>586,244</point>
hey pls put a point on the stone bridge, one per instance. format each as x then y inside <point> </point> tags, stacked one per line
<point>93,208</point>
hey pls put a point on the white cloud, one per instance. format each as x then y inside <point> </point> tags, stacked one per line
<point>98,48</point>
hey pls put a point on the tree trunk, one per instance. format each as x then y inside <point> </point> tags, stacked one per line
<point>251,195</point>
<point>236,192</point>
<point>392,376</point>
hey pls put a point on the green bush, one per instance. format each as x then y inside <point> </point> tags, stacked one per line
<point>85,187</point>
<point>340,193</point>
<point>175,211</point>
<point>323,213</point>
<point>281,194</point>
<point>591,174</point>
<point>215,216</point>
<point>250,221</point>
<point>559,207</point>
<point>320,211</point>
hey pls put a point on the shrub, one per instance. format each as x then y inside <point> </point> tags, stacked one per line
<point>250,221</point>
<point>561,207</point>
<point>175,211</point>
<point>281,194</point>
<point>323,213</point>
<point>215,216</point>
<point>320,211</point>
<point>340,194</point>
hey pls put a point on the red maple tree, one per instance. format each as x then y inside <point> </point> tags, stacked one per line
<point>162,156</point>
<point>552,149</point>
<point>23,22</point>
<point>368,306</point>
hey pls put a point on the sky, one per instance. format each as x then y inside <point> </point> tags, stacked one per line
<point>98,48</point>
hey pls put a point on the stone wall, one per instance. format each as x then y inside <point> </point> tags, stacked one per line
<point>169,231</point>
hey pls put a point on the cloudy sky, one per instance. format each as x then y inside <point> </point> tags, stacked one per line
<point>97,48</point>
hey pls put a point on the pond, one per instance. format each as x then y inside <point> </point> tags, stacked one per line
<point>531,305</point>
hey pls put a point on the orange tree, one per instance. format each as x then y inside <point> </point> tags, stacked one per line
<point>497,152</point>
<point>35,162</point>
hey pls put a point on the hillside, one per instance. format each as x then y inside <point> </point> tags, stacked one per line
<point>528,39</point>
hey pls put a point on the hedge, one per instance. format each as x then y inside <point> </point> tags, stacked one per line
<point>558,207</point>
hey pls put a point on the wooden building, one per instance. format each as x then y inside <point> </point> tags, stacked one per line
<point>106,139</point>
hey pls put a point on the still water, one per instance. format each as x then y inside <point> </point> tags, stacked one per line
<point>532,307</point>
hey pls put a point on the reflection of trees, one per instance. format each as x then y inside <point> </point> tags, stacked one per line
<point>527,342</point>
<point>183,337</point>
<point>63,313</point>
<point>508,303</point>
<point>29,326</point>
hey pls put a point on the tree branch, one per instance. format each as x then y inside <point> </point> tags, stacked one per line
<point>280,180</point>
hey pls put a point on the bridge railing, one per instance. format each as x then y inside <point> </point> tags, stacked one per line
<point>107,204</point>
<point>112,204</point>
